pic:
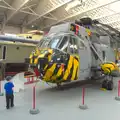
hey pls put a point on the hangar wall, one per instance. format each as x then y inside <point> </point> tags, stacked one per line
<point>11,29</point>
<point>14,29</point>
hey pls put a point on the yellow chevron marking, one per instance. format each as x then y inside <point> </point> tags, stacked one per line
<point>41,55</point>
<point>36,61</point>
<point>46,67</point>
<point>103,89</point>
<point>53,77</point>
<point>69,66</point>
<point>59,71</point>
<point>49,57</point>
<point>74,69</point>
<point>50,71</point>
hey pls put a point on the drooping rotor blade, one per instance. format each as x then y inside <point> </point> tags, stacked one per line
<point>17,39</point>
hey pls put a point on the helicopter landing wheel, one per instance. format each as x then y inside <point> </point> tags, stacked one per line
<point>104,84</point>
<point>108,83</point>
<point>59,86</point>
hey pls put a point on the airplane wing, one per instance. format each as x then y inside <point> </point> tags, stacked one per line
<point>17,39</point>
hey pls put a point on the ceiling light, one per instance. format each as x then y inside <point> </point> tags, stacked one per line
<point>33,26</point>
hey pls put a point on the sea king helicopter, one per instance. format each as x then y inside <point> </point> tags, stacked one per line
<point>73,51</point>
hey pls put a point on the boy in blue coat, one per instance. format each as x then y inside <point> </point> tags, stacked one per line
<point>9,92</point>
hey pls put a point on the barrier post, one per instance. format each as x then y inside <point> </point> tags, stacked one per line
<point>118,97</point>
<point>28,79</point>
<point>34,97</point>
<point>83,106</point>
<point>32,79</point>
<point>1,94</point>
<point>34,110</point>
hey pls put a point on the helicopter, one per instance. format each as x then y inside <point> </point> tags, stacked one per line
<point>34,35</point>
<point>11,64</point>
<point>76,51</point>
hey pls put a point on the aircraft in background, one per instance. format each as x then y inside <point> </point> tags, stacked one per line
<point>14,49</point>
<point>33,35</point>
<point>76,51</point>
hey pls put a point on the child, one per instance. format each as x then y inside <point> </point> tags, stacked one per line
<point>9,92</point>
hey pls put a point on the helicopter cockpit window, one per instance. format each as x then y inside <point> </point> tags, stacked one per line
<point>43,42</point>
<point>54,42</point>
<point>78,44</point>
<point>75,44</point>
<point>50,42</point>
<point>71,46</point>
<point>64,44</point>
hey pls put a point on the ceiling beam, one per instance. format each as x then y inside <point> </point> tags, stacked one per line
<point>49,17</point>
<point>113,21</point>
<point>106,13</point>
<point>117,26</point>
<point>79,14</point>
<point>23,11</point>
<point>29,13</point>
<point>45,7</point>
<point>17,5</point>
<point>6,7</point>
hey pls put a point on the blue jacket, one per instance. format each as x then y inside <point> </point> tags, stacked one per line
<point>8,88</point>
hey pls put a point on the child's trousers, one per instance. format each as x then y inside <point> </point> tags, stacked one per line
<point>9,100</point>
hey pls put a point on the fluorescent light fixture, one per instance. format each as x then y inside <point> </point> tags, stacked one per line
<point>73,4</point>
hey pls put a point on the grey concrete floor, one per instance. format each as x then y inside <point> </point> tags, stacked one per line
<point>63,104</point>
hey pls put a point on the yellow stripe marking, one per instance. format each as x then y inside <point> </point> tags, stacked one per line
<point>69,66</point>
<point>59,71</point>
<point>50,71</point>
<point>74,69</point>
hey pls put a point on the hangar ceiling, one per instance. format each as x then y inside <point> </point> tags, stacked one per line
<point>43,14</point>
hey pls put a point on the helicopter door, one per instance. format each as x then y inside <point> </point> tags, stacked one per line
<point>81,50</point>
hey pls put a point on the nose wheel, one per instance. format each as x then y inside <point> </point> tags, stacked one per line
<point>59,86</point>
<point>108,83</point>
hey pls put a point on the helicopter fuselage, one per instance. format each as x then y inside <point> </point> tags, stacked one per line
<point>66,57</point>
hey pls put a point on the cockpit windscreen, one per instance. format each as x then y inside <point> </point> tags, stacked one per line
<point>60,42</point>
<point>50,42</point>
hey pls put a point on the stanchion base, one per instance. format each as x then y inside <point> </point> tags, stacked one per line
<point>34,111</point>
<point>1,94</point>
<point>84,107</point>
<point>117,98</point>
